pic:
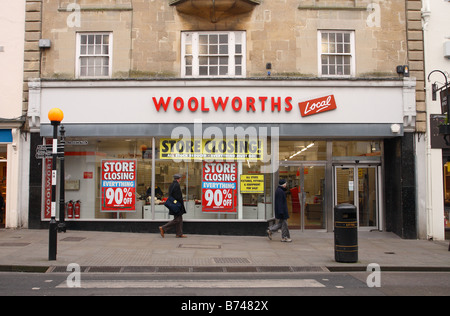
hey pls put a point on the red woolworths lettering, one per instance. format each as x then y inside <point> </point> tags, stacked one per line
<point>318,105</point>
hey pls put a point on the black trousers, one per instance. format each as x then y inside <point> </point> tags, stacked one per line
<point>177,222</point>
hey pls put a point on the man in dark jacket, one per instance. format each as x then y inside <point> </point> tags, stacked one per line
<point>175,192</point>
<point>281,213</point>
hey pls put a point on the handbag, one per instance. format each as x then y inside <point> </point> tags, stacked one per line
<point>173,205</point>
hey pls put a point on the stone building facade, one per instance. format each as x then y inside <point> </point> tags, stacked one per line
<point>314,48</point>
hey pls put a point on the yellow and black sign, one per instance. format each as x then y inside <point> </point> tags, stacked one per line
<point>252,183</point>
<point>213,149</point>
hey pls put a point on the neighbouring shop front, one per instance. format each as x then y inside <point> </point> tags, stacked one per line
<point>3,178</point>
<point>5,139</point>
<point>231,140</point>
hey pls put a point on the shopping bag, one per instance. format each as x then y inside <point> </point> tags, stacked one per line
<point>173,205</point>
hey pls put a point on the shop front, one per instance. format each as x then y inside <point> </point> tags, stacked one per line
<point>231,140</point>
<point>5,139</point>
<point>3,178</point>
<point>316,184</point>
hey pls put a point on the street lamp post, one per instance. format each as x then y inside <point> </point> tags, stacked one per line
<point>55,116</point>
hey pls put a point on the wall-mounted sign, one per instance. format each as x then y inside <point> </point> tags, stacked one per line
<point>72,185</point>
<point>219,187</point>
<point>318,105</point>
<point>437,139</point>
<point>118,185</point>
<point>236,102</point>
<point>216,104</point>
<point>444,106</point>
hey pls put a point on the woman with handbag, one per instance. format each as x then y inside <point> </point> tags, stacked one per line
<point>177,197</point>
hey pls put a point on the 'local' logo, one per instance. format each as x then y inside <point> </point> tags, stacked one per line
<point>318,105</point>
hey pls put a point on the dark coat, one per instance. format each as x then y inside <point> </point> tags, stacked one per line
<point>175,192</point>
<point>281,207</point>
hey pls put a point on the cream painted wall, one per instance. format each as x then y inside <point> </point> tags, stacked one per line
<point>436,32</point>
<point>12,32</point>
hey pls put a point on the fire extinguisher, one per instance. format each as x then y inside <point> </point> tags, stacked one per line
<point>70,209</point>
<point>77,209</point>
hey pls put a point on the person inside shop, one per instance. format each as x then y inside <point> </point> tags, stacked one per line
<point>158,192</point>
<point>177,222</point>
<point>281,213</point>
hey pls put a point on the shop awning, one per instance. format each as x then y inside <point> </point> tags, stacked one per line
<point>5,136</point>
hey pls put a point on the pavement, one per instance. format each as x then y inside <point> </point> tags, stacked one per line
<point>310,251</point>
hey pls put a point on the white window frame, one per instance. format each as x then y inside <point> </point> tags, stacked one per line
<point>351,54</point>
<point>233,38</point>
<point>79,55</point>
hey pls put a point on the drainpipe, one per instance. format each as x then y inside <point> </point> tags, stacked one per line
<point>426,14</point>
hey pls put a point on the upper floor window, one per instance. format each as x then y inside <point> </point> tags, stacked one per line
<point>94,55</point>
<point>337,53</point>
<point>213,54</point>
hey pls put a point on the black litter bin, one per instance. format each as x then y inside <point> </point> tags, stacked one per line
<point>345,233</point>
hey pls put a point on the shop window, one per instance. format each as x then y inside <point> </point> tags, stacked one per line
<point>86,160</point>
<point>336,53</point>
<point>356,149</point>
<point>258,205</point>
<point>94,55</point>
<point>447,199</point>
<point>213,54</point>
<point>303,150</point>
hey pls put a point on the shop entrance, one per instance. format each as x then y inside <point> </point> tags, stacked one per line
<point>358,185</point>
<point>305,195</point>
<point>3,160</point>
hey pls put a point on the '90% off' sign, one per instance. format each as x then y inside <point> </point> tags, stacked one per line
<point>118,185</point>
<point>119,197</point>
<point>219,187</point>
<point>218,198</point>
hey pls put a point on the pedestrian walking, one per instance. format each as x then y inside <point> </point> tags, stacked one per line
<point>177,222</point>
<point>281,213</point>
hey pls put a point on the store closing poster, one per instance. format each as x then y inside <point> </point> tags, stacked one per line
<point>118,185</point>
<point>219,187</point>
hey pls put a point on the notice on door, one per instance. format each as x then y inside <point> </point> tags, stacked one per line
<point>219,187</point>
<point>118,185</point>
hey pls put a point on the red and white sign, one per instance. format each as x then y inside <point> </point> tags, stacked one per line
<point>118,185</point>
<point>318,105</point>
<point>219,187</point>
<point>216,104</point>
<point>48,188</point>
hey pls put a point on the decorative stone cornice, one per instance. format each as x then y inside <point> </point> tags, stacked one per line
<point>214,10</point>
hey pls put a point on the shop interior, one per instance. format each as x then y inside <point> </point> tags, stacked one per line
<point>83,171</point>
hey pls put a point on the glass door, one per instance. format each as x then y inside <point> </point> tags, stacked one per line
<point>358,185</point>
<point>367,196</point>
<point>305,195</point>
